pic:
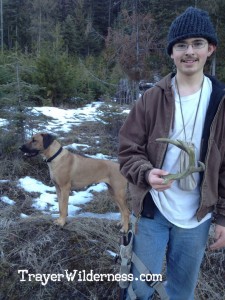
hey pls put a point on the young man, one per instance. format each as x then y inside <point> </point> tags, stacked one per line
<point>188,106</point>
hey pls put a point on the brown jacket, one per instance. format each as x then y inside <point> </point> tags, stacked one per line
<point>151,118</point>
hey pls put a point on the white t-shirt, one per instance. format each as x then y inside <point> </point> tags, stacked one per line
<point>179,206</point>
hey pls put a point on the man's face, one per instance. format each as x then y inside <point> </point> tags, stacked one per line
<point>190,55</point>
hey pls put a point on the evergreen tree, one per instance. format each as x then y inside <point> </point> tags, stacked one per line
<point>17,24</point>
<point>53,72</point>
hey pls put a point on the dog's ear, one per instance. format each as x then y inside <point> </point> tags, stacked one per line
<point>47,139</point>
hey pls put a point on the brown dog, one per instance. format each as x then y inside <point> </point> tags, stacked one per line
<point>70,171</point>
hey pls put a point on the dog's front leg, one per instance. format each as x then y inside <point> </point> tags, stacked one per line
<point>124,211</point>
<point>63,198</point>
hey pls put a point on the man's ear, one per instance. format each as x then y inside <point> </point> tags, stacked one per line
<point>47,139</point>
<point>211,49</point>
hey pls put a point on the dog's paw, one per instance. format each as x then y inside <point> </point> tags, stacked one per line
<point>60,222</point>
<point>124,227</point>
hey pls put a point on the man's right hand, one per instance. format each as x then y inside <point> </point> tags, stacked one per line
<point>156,181</point>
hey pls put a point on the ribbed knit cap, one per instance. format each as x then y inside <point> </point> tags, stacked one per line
<point>192,23</point>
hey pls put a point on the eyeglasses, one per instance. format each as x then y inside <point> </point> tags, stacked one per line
<point>195,45</point>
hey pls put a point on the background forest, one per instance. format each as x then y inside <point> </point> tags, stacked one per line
<point>57,52</point>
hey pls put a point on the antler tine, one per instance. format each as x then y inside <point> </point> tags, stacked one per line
<point>189,149</point>
<point>178,143</point>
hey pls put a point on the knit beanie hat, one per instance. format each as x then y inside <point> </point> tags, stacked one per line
<point>192,23</point>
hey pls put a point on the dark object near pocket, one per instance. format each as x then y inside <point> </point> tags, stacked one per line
<point>148,207</point>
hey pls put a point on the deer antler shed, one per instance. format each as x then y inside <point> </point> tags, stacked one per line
<point>191,153</point>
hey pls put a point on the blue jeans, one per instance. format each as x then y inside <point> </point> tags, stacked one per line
<point>184,249</point>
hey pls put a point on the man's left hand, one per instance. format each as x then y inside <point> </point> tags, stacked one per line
<point>219,238</point>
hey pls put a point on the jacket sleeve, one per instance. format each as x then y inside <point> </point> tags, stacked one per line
<point>220,206</point>
<point>133,157</point>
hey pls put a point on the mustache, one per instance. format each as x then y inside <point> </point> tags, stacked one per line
<point>189,57</point>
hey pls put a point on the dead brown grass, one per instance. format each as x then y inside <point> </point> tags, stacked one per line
<point>34,244</point>
<point>212,275</point>
<point>101,204</point>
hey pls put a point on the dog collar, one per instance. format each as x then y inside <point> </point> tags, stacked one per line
<point>54,156</point>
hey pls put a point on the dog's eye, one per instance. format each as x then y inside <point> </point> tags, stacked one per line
<point>33,140</point>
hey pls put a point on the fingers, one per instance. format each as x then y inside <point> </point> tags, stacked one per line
<point>156,181</point>
<point>219,238</point>
<point>217,245</point>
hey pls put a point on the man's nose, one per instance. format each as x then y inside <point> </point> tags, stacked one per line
<point>189,49</point>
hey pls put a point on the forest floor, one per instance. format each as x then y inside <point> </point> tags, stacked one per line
<point>41,261</point>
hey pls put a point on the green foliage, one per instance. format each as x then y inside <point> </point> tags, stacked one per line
<point>16,24</point>
<point>79,35</point>
<point>114,41</point>
<point>5,75</point>
<point>88,83</point>
<point>54,74</point>
<point>221,73</point>
<point>69,35</point>
<point>5,78</point>
<point>17,87</point>
<point>67,81</point>
<point>8,145</point>
<point>17,90</point>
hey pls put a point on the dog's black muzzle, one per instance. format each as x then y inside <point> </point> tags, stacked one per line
<point>29,152</point>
